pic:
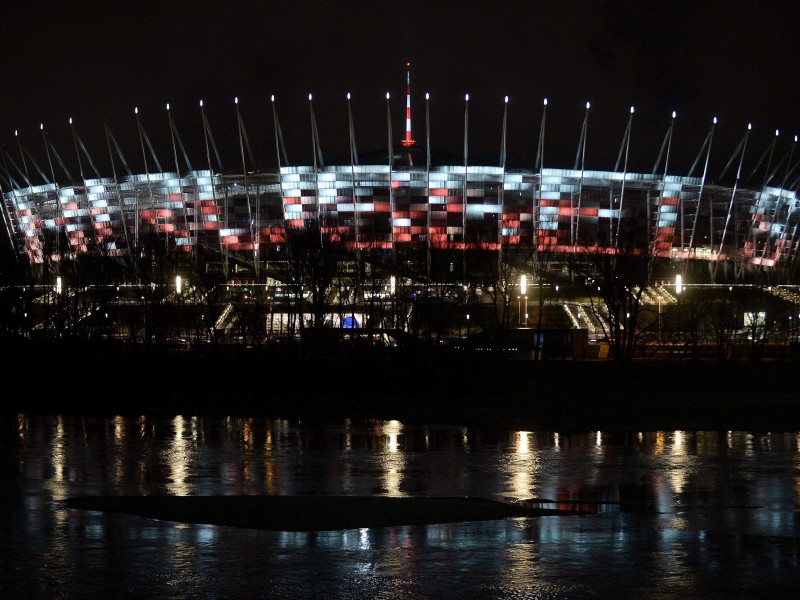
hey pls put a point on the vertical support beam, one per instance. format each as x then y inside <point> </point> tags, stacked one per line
<point>146,173</point>
<point>653,241</point>
<point>709,140</point>
<point>315,149</point>
<point>390,148</point>
<point>428,182</point>
<point>627,145</point>
<point>250,219</point>
<point>731,205</point>
<point>501,191</point>
<point>538,168</point>
<point>576,217</point>
<point>464,193</point>
<point>763,189</point>
<point>209,141</point>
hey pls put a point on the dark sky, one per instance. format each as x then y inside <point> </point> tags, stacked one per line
<point>93,60</point>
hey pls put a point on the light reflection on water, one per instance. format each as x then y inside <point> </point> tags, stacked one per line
<point>675,514</point>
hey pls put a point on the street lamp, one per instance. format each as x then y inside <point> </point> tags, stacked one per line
<point>523,288</point>
<point>178,288</point>
<point>392,289</point>
<point>659,317</point>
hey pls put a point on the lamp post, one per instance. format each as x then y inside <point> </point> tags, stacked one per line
<point>659,319</point>
<point>392,290</point>
<point>178,290</point>
<point>59,307</point>
<point>523,288</point>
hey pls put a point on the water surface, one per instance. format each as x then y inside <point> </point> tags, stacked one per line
<point>678,514</point>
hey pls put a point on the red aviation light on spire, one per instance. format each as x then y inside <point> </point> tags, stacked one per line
<point>408,141</point>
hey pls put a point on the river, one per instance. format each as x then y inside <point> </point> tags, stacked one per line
<point>673,514</point>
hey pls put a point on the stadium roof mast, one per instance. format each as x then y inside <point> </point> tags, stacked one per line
<point>408,141</point>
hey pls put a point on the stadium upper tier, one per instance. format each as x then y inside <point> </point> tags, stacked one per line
<point>439,207</point>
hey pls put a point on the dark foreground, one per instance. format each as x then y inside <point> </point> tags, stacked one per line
<point>310,513</point>
<point>424,385</point>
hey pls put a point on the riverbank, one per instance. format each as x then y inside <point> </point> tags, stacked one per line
<point>427,385</point>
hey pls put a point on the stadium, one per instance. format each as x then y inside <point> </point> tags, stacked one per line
<point>408,216</point>
<point>403,199</point>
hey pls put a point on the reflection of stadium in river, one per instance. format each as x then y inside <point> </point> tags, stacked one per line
<point>693,514</point>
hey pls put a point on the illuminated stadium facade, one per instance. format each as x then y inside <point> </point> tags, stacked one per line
<point>409,202</point>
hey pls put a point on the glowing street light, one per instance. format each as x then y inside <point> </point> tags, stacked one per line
<point>678,284</point>
<point>178,284</point>
<point>523,288</point>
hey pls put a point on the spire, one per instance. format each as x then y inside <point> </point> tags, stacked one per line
<point>408,141</point>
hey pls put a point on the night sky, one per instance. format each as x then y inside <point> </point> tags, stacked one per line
<point>93,60</point>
